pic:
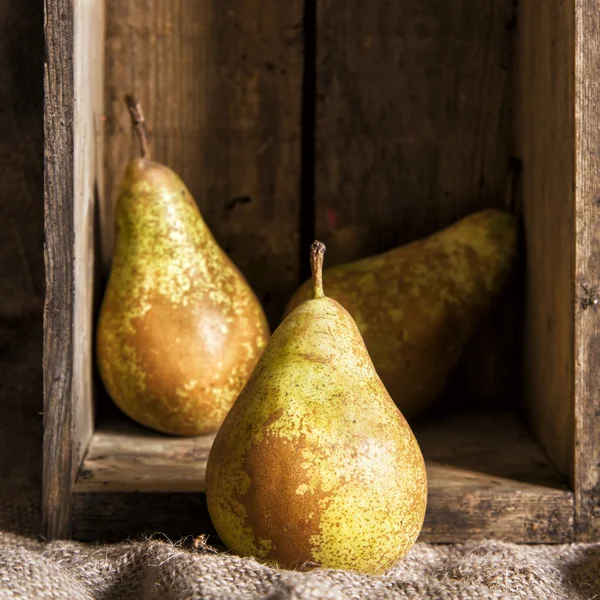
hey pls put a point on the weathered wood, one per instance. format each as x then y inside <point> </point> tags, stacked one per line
<point>487,477</point>
<point>587,269</point>
<point>87,163</point>
<point>127,458</point>
<point>545,132</point>
<point>123,456</point>
<point>58,254</point>
<point>413,133</point>
<point>73,98</point>
<point>221,86</point>
<point>535,517</point>
<point>116,516</point>
<point>490,449</point>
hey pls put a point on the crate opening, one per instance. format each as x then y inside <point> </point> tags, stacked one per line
<point>414,123</point>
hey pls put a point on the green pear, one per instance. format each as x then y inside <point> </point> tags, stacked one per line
<point>416,306</point>
<point>314,464</point>
<point>179,329</point>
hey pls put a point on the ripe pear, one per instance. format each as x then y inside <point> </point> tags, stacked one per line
<point>416,306</point>
<point>315,464</point>
<point>179,329</point>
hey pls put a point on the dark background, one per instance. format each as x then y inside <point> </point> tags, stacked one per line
<point>21,261</point>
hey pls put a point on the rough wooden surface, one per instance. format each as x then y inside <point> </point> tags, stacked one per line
<point>126,458</point>
<point>487,477</point>
<point>587,269</point>
<point>221,87</point>
<point>73,99</point>
<point>87,172</point>
<point>536,517</point>
<point>545,134</point>
<point>413,133</point>
<point>115,516</point>
<point>59,232</point>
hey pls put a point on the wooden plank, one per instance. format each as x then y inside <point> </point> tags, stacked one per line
<point>487,477</point>
<point>545,134</point>
<point>545,516</point>
<point>587,269</point>
<point>221,86</point>
<point>484,451</point>
<point>413,133</point>
<point>87,161</point>
<point>72,84</point>
<point>116,516</point>
<point>487,449</point>
<point>124,457</point>
<point>58,254</point>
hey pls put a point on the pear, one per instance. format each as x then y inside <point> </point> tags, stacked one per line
<point>314,464</point>
<point>416,306</point>
<point>179,329</point>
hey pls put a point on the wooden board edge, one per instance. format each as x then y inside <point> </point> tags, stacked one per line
<point>451,517</point>
<point>114,516</point>
<point>58,255</point>
<point>587,269</point>
<point>88,68</point>
<point>519,518</point>
<point>544,133</point>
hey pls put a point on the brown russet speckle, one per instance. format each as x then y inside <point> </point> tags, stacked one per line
<point>179,329</point>
<point>417,305</point>
<point>315,464</point>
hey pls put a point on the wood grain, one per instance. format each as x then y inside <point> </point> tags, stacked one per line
<point>413,133</point>
<point>115,516</point>
<point>536,517</point>
<point>221,86</point>
<point>487,477</point>
<point>545,139</point>
<point>58,256</point>
<point>124,457</point>
<point>492,450</point>
<point>587,269</point>
<point>541,516</point>
<point>87,164</point>
<point>73,84</point>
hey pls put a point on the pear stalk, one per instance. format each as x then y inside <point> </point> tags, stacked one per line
<point>317,250</point>
<point>139,124</point>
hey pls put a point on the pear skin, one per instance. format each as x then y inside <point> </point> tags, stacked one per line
<point>314,464</point>
<point>179,329</point>
<point>416,306</point>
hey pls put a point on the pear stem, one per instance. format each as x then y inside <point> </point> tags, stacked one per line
<point>139,123</point>
<point>317,250</point>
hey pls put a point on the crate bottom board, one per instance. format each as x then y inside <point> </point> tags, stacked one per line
<point>487,479</point>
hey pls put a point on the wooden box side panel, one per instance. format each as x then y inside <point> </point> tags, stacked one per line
<point>73,83</point>
<point>221,85</point>
<point>587,270</point>
<point>545,133</point>
<point>58,254</point>
<point>88,103</point>
<point>413,133</point>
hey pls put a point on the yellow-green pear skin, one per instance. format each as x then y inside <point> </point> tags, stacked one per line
<point>314,464</point>
<point>179,329</point>
<point>416,306</point>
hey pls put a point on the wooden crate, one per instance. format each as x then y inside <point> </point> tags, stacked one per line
<point>366,125</point>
